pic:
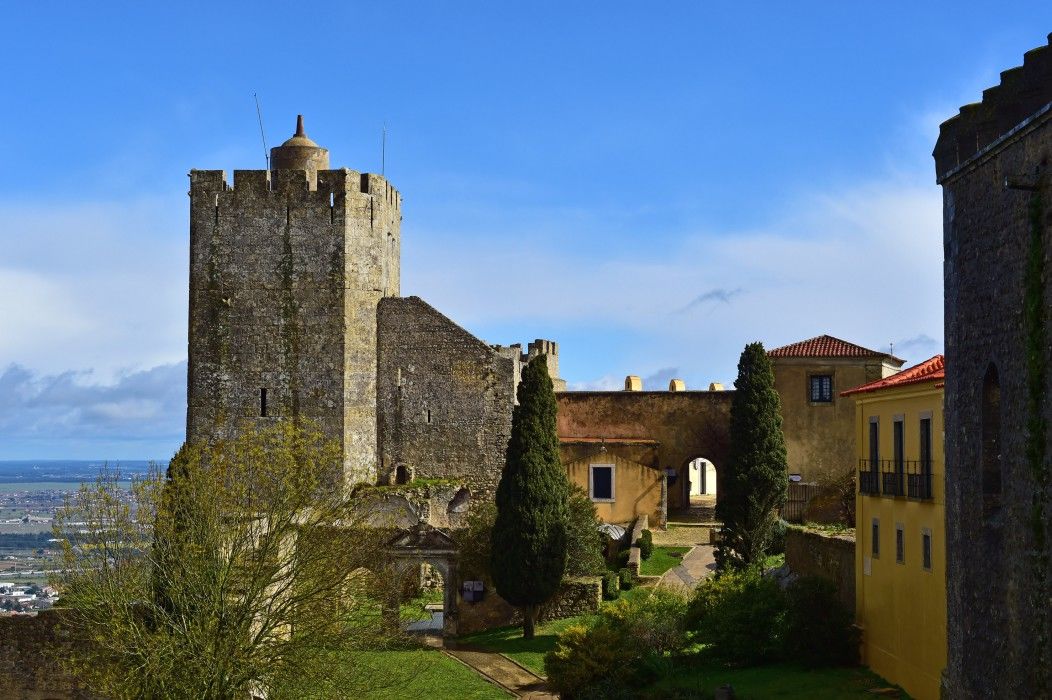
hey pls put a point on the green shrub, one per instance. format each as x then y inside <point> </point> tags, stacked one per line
<point>740,615</point>
<point>611,585</point>
<point>819,630</point>
<point>584,657</point>
<point>776,545</point>
<point>626,647</point>
<point>584,542</point>
<point>646,544</point>
<point>626,578</point>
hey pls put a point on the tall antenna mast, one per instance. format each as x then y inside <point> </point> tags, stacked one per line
<point>259,114</point>
<point>383,151</point>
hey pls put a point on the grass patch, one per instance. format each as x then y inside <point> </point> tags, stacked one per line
<point>414,610</point>
<point>831,528</point>
<point>774,561</point>
<point>414,673</point>
<point>528,652</point>
<point>784,681</point>
<point>663,559</point>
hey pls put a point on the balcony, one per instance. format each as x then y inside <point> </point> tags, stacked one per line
<point>905,479</point>
<point>868,482</point>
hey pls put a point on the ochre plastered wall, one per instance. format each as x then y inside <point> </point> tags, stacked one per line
<point>682,425</point>
<point>637,488</point>
<point>819,437</point>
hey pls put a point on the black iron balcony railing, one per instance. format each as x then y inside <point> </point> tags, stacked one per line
<point>868,482</point>
<point>909,478</point>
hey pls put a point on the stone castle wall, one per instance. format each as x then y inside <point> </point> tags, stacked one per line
<point>284,284</point>
<point>576,596</point>
<point>998,612</point>
<point>444,399</point>
<point>30,651</point>
<point>832,557</point>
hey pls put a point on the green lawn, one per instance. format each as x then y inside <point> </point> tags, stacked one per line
<point>781,681</point>
<point>530,653</point>
<point>661,560</point>
<point>427,674</point>
<point>509,641</point>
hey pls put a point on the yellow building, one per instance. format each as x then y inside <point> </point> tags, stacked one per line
<point>621,489</point>
<point>900,555</point>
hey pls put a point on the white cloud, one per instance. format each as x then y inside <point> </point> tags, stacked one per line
<point>51,410</point>
<point>863,263</point>
<point>93,285</point>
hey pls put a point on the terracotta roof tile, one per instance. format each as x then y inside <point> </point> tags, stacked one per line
<point>931,370</point>
<point>826,346</point>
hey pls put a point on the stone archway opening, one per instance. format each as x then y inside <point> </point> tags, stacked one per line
<point>698,488</point>
<point>422,599</point>
<point>422,588</point>
<point>702,475</point>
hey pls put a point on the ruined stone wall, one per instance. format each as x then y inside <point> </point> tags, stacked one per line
<point>444,398</point>
<point>30,649</point>
<point>999,625</point>
<point>832,557</point>
<point>684,424</point>
<point>576,596</point>
<point>284,284</point>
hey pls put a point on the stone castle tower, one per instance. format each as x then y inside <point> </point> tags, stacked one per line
<point>287,268</point>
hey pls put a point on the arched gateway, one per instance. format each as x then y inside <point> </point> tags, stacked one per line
<point>424,544</point>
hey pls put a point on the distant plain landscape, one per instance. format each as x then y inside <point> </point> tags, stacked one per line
<point>64,474</point>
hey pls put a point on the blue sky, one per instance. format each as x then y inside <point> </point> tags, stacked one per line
<point>652,187</point>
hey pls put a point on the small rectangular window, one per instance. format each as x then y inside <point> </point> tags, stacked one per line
<point>821,390</point>
<point>925,445</point>
<point>900,445</point>
<point>875,538</point>
<point>926,549</point>
<point>601,482</point>
<point>874,444</point>
<point>900,544</point>
<point>263,402</point>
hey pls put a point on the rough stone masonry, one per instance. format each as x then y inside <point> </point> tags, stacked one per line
<point>992,161</point>
<point>295,312</point>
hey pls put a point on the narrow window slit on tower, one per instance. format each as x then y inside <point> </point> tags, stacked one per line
<point>429,415</point>
<point>263,402</point>
<point>288,215</point>
<point>217,208</point>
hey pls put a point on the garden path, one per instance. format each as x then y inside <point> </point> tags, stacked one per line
<point>698,564</point>
<point>502,671</point>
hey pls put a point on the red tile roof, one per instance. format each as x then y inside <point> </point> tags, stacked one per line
<point>826,346</point>
<point>932,370</point>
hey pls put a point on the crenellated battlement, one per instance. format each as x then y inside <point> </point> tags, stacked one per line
<point>330,182</point>
<point>1023,92</point>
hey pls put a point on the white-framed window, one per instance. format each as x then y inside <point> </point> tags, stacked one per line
<point>601,482</point>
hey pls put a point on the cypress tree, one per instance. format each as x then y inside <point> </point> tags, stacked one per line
<point>529,534</point>
<point>755,482</point>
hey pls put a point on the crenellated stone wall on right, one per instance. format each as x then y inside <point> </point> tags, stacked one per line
<point>992,161</point>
